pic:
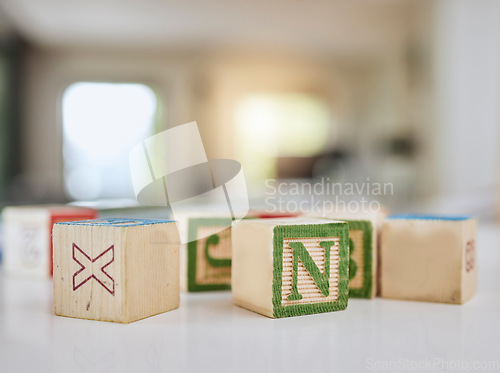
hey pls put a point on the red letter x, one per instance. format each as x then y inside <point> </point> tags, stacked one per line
<point>85,273</point>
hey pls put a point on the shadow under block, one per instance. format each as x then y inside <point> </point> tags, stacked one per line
<point>28,236</point>
<point>428,258</point>
<point>118,270</point>
<point>290,267</point>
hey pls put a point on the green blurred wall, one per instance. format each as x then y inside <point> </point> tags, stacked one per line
<point>10,61</point>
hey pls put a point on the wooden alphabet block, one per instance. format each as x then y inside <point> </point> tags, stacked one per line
<point>290,267</point>
<point>207,264</point>
<point>206,258</point>
<point>117,270</point>
<point>362,258</point>
<point>428,258</point>
<point>28,236</point>
<point>364,230</point>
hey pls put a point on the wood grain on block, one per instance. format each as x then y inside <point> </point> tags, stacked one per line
<point>428,258</point>
<point>28,236</point>
<point>118,270</point>
<point>290,267</point>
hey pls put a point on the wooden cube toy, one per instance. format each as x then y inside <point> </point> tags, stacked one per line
<point>206,258</point>
<point>290,267</point>
<point>207,255</point>
<point>428,258</point>
<point>117,270</point>
<point>364,229</point>
<point>362,258</point>
<point>27,231</point>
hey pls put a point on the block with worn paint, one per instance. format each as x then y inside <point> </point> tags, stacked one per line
<point>206,257</point>
<point>118,270</point>
<point>290,267</point>
<point>28,236</point>
<point>428,258</point>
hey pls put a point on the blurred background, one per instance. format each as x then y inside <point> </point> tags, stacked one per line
<point>389,91</point>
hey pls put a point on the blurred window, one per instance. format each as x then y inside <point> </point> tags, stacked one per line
<point>279,125</point>
<point>101,124</point>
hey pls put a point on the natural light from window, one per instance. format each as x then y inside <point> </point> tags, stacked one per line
<point>101,123</point>
<point>279,124</point>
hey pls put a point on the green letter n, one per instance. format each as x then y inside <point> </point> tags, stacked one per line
<point>322,280</point>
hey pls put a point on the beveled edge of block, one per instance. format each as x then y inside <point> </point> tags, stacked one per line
<point>412,216</point>
<point>124,320</point>
<point>117,222</point>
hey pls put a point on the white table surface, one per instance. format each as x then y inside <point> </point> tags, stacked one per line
<point>207,333</point>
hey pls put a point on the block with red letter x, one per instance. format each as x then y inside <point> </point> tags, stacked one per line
<point>117,270</point>
<point>86,271</point>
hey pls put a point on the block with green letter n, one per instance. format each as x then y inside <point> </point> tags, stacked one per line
<point>290,267</point>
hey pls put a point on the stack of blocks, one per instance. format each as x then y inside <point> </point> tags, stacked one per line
<point>428,258</point>
<point>117,270</point>
<point>28,236</point>
<point>290,267</point>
